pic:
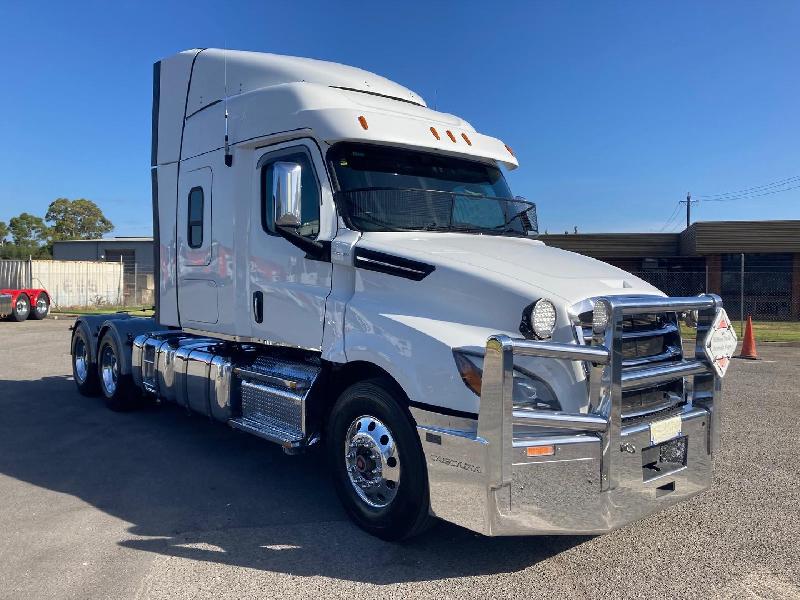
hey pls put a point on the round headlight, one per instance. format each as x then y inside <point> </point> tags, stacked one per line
<point>543,319</point>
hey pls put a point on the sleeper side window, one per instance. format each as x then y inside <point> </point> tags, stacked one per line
<point>195,225</point>
<point>310,192</point>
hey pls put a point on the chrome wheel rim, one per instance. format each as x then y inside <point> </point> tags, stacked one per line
<point>41,305</point>
<point>22,306</point>
<point>372,461</point>
<point>81,361</point>
<point>109,370</point>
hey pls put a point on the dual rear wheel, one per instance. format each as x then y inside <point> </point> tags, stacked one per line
<point>22,309</point>
<point>103,376</point>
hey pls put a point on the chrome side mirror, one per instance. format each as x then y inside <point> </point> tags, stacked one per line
<point>287,193</point>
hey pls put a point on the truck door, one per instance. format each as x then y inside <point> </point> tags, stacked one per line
<point>197,285</point>
<point>288,289</point>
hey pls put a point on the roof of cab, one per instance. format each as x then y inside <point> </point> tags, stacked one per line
<point>224,73</point>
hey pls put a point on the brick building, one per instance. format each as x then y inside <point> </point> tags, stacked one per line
<point>707,256</point>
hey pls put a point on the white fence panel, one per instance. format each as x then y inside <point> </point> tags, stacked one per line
<point>79,283</point>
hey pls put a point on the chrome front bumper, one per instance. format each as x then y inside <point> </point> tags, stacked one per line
<point>482,477</point>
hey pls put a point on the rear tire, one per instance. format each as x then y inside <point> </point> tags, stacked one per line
<point>42,308</point>
<point>21,308</point>
<point>377,462</point>
<point>118,390</point>
<point>84,372</point>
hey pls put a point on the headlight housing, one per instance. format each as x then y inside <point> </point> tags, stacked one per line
<point>529,390</point>
<point>538,320</point>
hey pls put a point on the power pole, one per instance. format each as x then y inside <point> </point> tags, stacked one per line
<point>688,203</point>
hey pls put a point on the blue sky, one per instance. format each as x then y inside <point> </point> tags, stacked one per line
<point>615,109</point>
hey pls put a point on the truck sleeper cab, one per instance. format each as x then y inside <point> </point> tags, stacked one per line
<point>340,264</point>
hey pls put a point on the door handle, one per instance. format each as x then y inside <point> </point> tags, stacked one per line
<point>258,306</point>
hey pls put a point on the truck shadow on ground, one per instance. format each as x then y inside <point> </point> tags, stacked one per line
<point>198,490</point>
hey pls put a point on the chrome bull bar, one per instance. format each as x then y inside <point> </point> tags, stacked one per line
<point>607,381</point>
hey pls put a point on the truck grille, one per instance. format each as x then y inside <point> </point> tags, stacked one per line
<point>647,339</point>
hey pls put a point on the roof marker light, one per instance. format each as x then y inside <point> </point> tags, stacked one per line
<point>466,139</point>
<point>510,151</point>
<point>435,133</point>
<point>363,122</point>
<point>451,136</point>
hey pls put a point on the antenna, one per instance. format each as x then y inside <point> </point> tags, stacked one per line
<point>228,155</point>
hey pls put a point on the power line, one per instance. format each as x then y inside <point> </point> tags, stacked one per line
<point>758,188</point>
<point>671,217</point>
<point>750,196</point>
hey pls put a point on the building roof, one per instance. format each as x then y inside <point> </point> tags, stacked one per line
<point>728,237</point>
<point>122,239</point>
<point>701,238</point>
<point>617,244</point>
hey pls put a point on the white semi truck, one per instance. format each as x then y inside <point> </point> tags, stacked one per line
<point>339,264</point>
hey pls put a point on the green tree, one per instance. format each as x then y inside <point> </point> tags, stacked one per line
<point>28,231</point>
<point>79,219</point>
<point>3,232</point>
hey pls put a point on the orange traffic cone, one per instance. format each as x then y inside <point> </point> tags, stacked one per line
<point>749,343</point>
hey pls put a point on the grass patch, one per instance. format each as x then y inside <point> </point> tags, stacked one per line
<point>765,331</point>
<point>103,310</point>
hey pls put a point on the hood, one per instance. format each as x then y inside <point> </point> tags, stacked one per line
<point>548,271</point>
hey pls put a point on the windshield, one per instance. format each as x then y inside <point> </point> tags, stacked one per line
<point>392,189</point>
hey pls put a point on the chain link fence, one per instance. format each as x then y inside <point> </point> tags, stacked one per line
<point>764,295</point>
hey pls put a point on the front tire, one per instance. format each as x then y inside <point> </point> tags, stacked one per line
<point>377,462</point>
<point>42,308</point>
<point>21,308</point>
<point>118,390</point>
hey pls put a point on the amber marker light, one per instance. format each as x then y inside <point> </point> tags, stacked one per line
<point>540,450</point>
<point>363,122</point>
<point>451,136</point>
<point>435,133</point>
<point>466,139</point>
<point>470,373</point>
<point>510,151</point>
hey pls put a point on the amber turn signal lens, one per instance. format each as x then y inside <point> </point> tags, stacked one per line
<point>540,450</point>
<point>466,139</point>
<point>470,373</point>
<point>435,133</point>
<point>451,136</point>
<point>363,122</point>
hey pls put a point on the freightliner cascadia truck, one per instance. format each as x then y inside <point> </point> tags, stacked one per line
<point>341,266</point>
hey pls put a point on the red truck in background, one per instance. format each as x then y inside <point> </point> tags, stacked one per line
<point>18,305</point>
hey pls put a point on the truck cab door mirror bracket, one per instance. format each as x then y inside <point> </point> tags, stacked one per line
<point>314,250</point>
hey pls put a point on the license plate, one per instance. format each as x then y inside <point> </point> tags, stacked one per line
<point>661,431</point>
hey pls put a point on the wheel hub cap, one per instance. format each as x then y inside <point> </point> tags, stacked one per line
<point>372,461</point>
<point>109,370</point>
<point>81,362</point>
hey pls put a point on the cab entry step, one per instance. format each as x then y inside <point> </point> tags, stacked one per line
<point>272,393</point>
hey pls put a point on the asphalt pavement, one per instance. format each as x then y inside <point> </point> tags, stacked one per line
<point>162,504</point>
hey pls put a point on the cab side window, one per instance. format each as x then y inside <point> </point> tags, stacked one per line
<point>310,192</point>
<point>195,222</point>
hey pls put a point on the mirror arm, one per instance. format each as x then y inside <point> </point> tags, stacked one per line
<point>314,250</point>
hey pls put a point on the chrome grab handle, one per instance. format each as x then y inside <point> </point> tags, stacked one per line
<point>607,381</point>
